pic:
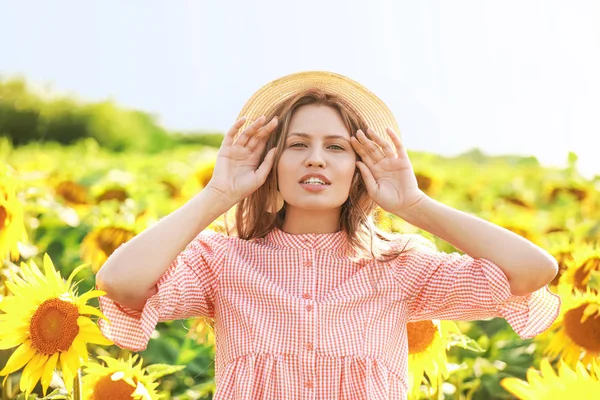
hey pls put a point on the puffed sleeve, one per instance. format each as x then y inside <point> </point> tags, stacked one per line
<point>451,286</point>
<point>186,289</point>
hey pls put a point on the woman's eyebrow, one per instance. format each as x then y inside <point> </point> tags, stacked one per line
<point>306,135</point>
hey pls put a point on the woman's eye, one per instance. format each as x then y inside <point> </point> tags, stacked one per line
<point>337,147</point>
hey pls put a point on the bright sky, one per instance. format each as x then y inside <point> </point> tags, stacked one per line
<point>510,77</point>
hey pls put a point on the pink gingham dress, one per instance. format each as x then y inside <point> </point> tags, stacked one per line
<point>296,319</point>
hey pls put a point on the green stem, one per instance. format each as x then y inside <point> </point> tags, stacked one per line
<point>7,389</point>
<point>77,395</point>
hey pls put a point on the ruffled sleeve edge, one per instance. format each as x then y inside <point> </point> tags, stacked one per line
<point>129,328</point>
<point>527,315</point>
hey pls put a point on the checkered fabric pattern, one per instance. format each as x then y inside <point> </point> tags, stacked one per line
<point>296,319</point>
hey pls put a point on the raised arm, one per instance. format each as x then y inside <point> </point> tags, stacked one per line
<point>391,183</point>
<point>131,273</point>
<point>526,266</point>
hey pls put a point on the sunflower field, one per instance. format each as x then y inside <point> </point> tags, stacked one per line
<point>65,208</point>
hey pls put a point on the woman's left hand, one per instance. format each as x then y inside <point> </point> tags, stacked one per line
<point>388,174</point>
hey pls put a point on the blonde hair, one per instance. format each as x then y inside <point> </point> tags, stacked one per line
<point>367,241</point>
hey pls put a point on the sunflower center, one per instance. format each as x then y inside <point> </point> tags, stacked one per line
<point>420,335</point>
<point>580,279</point>
<point>110,194</point>
<point>72,192</point>
<point>586,334</point>
<point>53,326</point>
<point>109,238</point>
<point>3,215</point>
<point>106,388</point>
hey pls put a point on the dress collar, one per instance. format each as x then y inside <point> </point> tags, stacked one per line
<point>336,241</point>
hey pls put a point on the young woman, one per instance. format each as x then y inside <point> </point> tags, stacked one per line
<point>309,298</point>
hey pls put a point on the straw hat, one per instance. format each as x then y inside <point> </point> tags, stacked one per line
<point>374,111</point>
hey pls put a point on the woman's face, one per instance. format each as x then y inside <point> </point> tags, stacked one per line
<point>317,143</point>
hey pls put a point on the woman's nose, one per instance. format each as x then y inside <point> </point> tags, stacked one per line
<point>315,158</point>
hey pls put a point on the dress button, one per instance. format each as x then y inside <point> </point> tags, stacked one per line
<point>309,346</point>
<point>308,384</point>
<point>309,307</point>
<point>307,264</point>
<point>306,295</point>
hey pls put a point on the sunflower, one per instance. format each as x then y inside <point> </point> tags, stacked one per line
<point>72,193</point>
<point>204,172</point>
<point>199,177</point>
<point>580,268</point>
<point>522,222</point>
<point>114,193</point>
<point>118,380</point>
<point>568,383</point>
<point>50,324</point>
<point>100,243</point>
<point>382,219</point>
<point>172,189</point>
<point>561,247</point>
<point>575,334</point>
<point>12,227</point>
<point>427,344</point>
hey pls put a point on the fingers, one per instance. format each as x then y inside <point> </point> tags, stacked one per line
<point>374,149</point>
<point>256,128</point>
<point>383,144</point>
<point>369,152</point>
<point>228,139</point>
<point>368,179</point>
<point>243,137</point>
<point>396,140</point>
<point>265,167</point>
<point>257,140</point>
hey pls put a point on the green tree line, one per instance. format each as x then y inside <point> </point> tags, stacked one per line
<point>27,115</point>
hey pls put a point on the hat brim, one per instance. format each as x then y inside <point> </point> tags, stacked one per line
<point>371,108</point>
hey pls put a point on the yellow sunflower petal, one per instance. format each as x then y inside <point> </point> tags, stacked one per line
<point>89,310</point>
<point>519,388</point>
<point>72,360</point>
<point>67,373</point>
<point>548,371</point>
<point>581,371</point>
<point>53,278</point>
<point>75,272</point>
<point>11,304</point>
<point>12,338</point>
<point>14,289</point>
<point>48,370</point>
<point>90,295</point>
<point>534,378</point>
<point>20,357</point>
<point>91,332</point>
<point>590,310</point>
<point>32,373</point>
<point>565,372</point>
<point>80,348</point>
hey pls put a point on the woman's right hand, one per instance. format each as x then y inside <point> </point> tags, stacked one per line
<point>236,174</point>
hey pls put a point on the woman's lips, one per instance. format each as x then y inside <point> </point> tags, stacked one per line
<point>314,188</point>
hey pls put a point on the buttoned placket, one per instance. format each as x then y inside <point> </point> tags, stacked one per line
<point>309,275</point>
